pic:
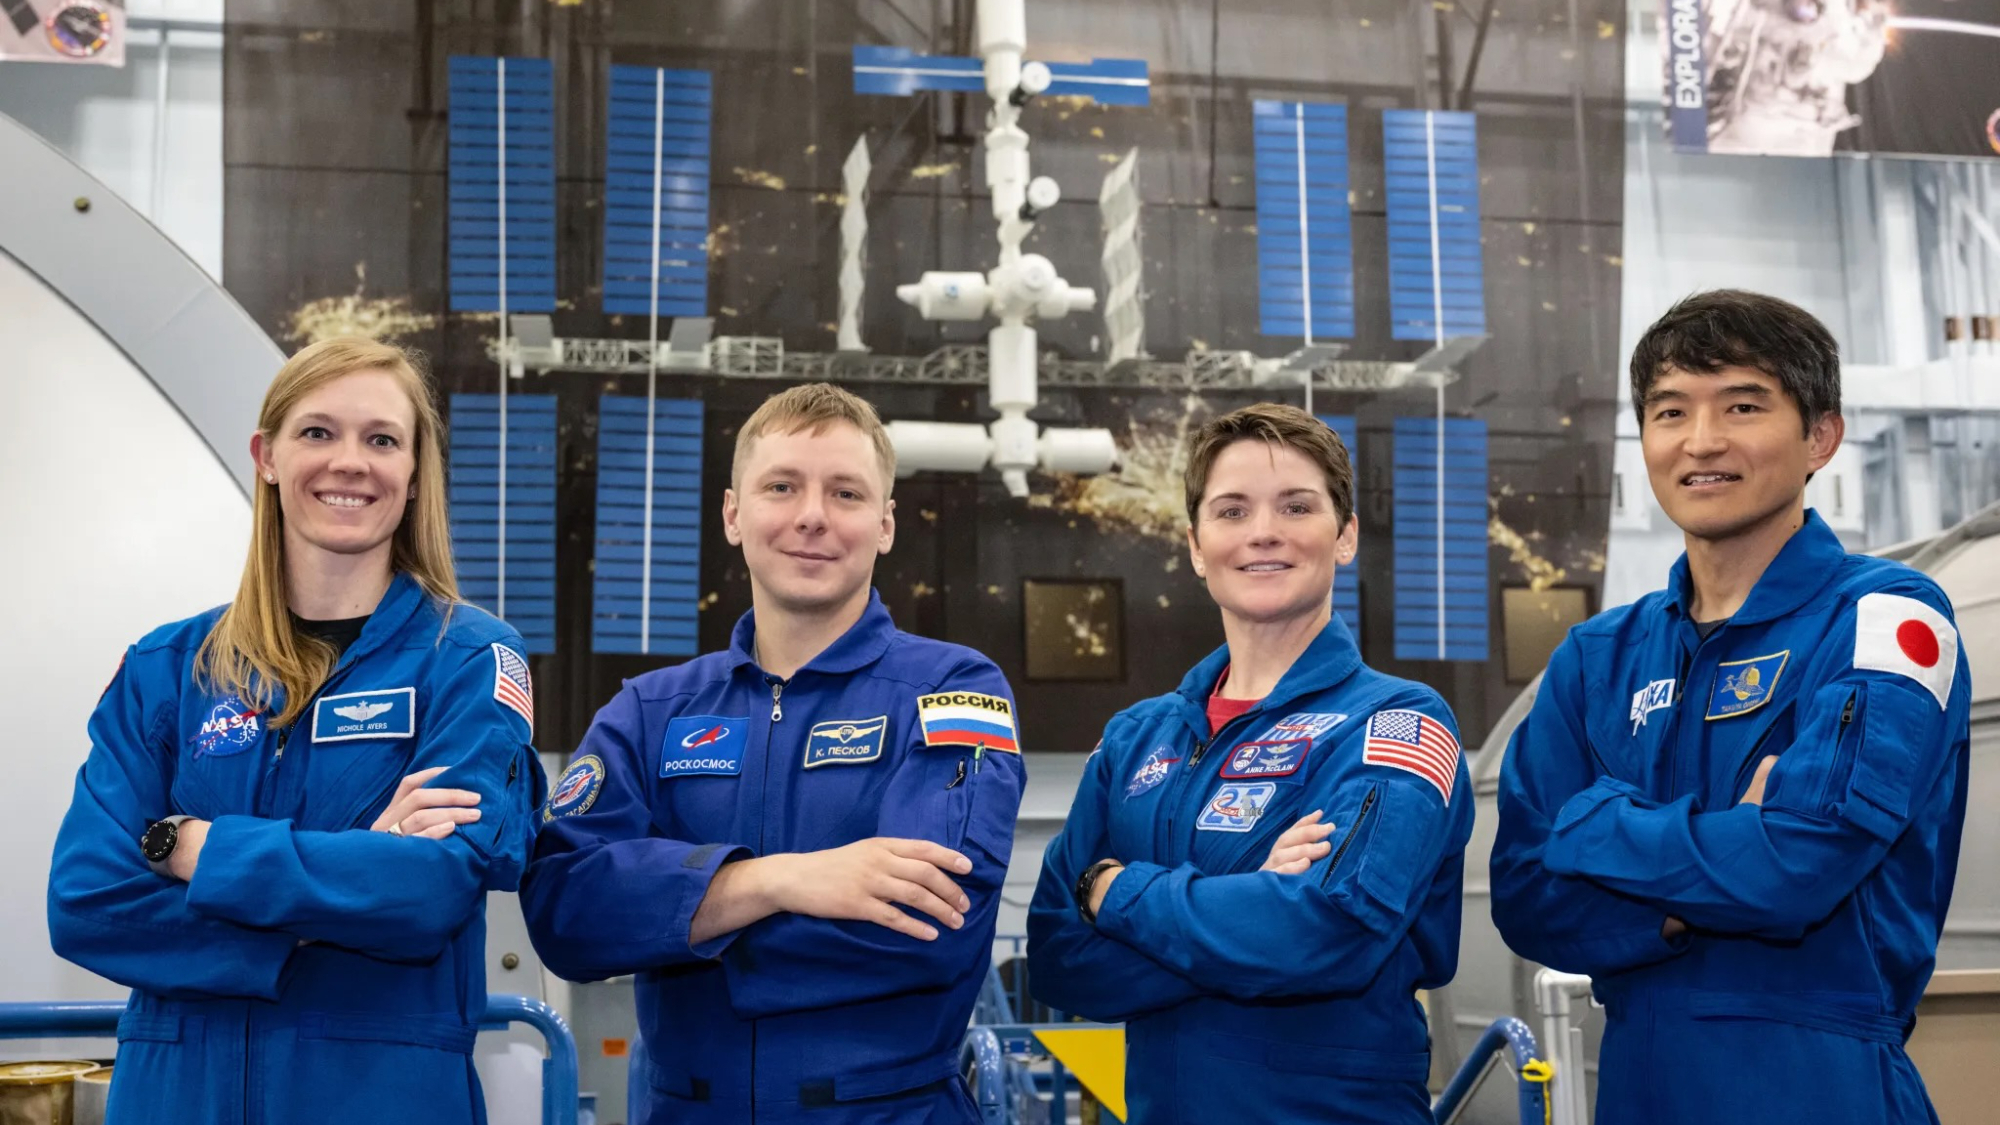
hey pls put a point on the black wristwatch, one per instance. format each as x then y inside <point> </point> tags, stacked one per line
<point>1085,883</point>
<point>157,845</point>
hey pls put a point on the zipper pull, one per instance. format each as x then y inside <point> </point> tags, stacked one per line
<point>960,777</point>
<point>1200,748</point>
<point>777,710</point>
<point>1847,713</point>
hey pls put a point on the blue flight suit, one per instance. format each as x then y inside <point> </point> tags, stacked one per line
<point>1251,996</point>
<point>312,971</point>
<point>690,767</point>
<point>1815,916</point>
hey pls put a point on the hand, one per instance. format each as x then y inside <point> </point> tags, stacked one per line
<point>434,813</point>
<point>866,880</point>
<point>189,836</point>
<point>1302,843</point>
<point>1755,794</point>
<point>1673,927</point>
<point>1101,886</point>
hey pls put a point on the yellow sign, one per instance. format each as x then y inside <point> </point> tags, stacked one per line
<point>1096,1055</point>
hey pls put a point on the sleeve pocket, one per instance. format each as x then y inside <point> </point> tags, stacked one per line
<point>1891,731</point>
<point>1397,848</point>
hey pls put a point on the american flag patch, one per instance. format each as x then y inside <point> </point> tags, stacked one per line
<point>1410,740</point>
<point>511,685</point>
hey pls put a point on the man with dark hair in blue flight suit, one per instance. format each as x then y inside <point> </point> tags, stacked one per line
<point>797,844</point>
<point>1736,803</point>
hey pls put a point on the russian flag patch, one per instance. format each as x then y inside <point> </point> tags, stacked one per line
<point>967,718</point>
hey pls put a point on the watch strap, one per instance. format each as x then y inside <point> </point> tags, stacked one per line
<point>1085,884</point>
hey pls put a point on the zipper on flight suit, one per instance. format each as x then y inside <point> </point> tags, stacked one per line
<point>1353,830</point>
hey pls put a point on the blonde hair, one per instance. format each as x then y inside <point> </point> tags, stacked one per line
<point>814,407</point>
<point>254,648</point>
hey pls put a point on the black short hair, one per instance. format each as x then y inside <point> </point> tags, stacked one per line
<point>1733,328</point>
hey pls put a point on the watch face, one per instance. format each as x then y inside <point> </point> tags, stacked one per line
<point>158,842</point>
<point>79,28</point>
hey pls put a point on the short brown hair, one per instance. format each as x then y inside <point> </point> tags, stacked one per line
<point>814,407</point>
<point>1274,424</point>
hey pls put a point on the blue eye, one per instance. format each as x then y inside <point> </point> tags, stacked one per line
<point>384,441</point>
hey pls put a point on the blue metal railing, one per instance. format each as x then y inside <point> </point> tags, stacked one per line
<point>989,1075</point>
<point>90,1018</point>
<point>1531,1074</point>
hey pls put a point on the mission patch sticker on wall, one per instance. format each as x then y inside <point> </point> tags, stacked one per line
<point>391,713</point>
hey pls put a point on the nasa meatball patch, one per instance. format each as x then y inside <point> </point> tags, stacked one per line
<point>1902,635</point>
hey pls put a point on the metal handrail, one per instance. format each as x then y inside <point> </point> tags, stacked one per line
<point>1531,1074</point>
<point>90,1018</point>
<point>982,1050</point>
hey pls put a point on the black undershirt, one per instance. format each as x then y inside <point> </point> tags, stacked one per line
<point>1704,628</point>
<point>339,633</point>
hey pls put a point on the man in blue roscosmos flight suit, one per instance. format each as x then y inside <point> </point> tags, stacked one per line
<point>1736,803</point>
<point>797,844</point>
<point>1261,868</point>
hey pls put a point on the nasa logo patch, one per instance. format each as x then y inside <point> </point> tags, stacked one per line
<point>231,728</point>
<point>1150,773</point>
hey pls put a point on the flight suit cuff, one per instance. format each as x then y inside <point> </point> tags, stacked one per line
<point>1114,917</point>
<point>702,864</point>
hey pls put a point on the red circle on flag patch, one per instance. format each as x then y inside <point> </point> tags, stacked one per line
<point>1918,642</point>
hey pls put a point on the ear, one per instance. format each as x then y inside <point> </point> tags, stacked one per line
<point>1348,543</point>
<point>887,538</point>
<point>730,510</point>
<point>260,456</point>
<point>1194,554</point>
<point>1823,440</point>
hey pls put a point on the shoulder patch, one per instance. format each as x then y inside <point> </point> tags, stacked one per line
<point>512,686</point>
<point>968,718</point>
<point>576,790</point>
<point>1414,742</point>
<point>1902,635</point>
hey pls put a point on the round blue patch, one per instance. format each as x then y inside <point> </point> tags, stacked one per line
<point>231,728</point>
<point>1151,772</point>
<point>576,790</point>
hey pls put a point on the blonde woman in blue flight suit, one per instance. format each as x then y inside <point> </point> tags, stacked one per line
<point>294,804</point>
<point>1262,868</point>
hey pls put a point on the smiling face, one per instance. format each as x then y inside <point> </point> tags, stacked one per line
<point>1267,536</point>
<point>811,512</point>
<point>1728,451</point>
<point>342,461</point>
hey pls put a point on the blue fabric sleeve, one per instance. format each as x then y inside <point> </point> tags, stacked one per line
<point>1560,920</point>
<point>1871,752</point>
<point>398,898</point>
<point>1358,911</point>
<point>605,894</point>
<point>792,963</point>
<point>1072,967</point>
<point>107,910</point>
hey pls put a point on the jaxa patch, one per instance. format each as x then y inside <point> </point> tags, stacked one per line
<point>704,744</point>
<point>1267,759</point>
<point>1308,725</point>
<point>967,718</point>
<point>231,728</point>
<point>1150,773</point>
<point>576,790</point>
<point>391,713</point>
<point>846,740</point>
<point>1655,696</point>
<point>1236,807</point>
<point>1742,686</point>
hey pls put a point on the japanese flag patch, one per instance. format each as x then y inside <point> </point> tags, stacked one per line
<point>1896,634</point>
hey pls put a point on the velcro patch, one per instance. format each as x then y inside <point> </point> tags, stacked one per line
<point>1267,759</point>
<point>704,744</point>
<point>391,713</point>
<point>1415,742</point>
<point>512,685</point>
<point>968,718</point>
<point>1742,686</point>
<point>846,741</point>
<point>1236,807</point>
<point>1896,634</point>
<point>576,790</point>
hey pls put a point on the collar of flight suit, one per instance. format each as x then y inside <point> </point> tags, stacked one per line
<point>1329,659</point>
<point>1802,567</point>
<point>863,644</point>
<point>399,603</point>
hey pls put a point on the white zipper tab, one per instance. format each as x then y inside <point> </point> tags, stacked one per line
<point>777,711</point>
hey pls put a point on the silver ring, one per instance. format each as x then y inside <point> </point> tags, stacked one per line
<point>396,829</point>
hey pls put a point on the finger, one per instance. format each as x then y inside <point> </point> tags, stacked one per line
<point>931,879</point>
<point>424,819</point>
<point>934,854</point>
<point>1310,818</point>
<point>1293,867</point>
<point>436,832</point>
<point>437,798</point>
<point>903,923</point>
<point>417,779</point>
<point>920,898</point>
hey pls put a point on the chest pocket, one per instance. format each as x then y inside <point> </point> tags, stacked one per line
<point>1236,820</point>
<point>356,746</point>
<point>219,749</point>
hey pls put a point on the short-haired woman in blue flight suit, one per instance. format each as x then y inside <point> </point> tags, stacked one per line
<point>294,804</point>
<point>1262,868</point>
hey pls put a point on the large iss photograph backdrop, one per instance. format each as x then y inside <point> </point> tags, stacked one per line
<point>336,196</point>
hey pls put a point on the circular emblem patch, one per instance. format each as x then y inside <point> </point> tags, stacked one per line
<point>576,790</point>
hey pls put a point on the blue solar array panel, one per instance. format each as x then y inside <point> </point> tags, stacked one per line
<point>900,72</point>
<point>487,129</point>
<point>530,510</point>
<point>618,589</point>
<point>1347,581</point>
<point>1437,285</point>
<point>1305,244</point>
<point>1463,596</point>
<point>656,176</point>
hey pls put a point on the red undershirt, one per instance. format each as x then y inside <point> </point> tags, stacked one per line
<point>1221,710</point>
